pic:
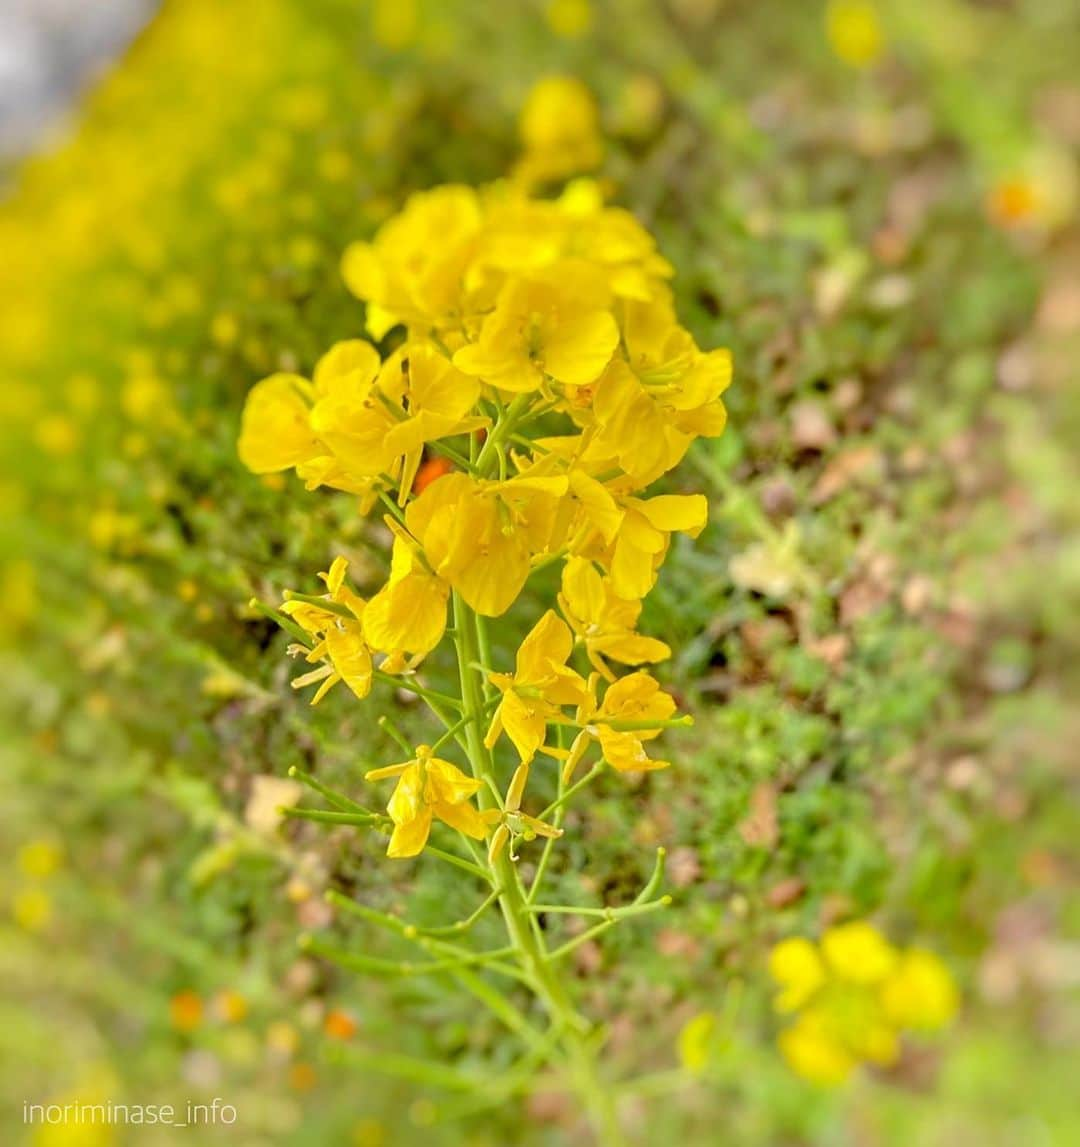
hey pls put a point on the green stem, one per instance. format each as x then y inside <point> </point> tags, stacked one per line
<point>525,940</point>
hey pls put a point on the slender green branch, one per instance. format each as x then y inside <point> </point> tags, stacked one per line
<point>611,914</point>
<point>561,800</point>
<point>341,802</point>
<point>600,929</point>
<point>376,966</point>
<point>460,862</point>
<point>335,817</point>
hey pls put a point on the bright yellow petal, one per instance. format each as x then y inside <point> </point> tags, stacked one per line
<point>275,431</point>
<point>796,965</point>
<point>409,838</point>
<point>463,817</point>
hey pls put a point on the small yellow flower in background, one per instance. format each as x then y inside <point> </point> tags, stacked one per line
<point>39,859</point>
<point>796,965</point>
<point>570,19</point>
<point>854,31</point>
<point>858,952</point>
<point>56,435</point>
<point>32,909</point>
<point>394,23</point>
<point>540,684</point>
<point>145,397</point>
<point>428,788</point>
<point>920,994</point>
<point>560,130</point>
<point>229,1006</point>
<point>19,589</point>
<point>694,1041</point>
<point>852,997</point>
<point>75,1126</point>
<point>282,1040</point>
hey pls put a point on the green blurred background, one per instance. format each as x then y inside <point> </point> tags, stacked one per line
<point>874,205</point>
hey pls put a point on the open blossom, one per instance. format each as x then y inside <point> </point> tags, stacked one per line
<point>852,996</point>
<point>541,683</point>
<point>604,622</point>
<point>338,631</point>
<point>621,723</point>
<point>428,788</point>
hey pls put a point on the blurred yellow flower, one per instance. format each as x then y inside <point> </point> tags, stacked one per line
<point>853,995</point>
<point>560,129</point>
<point>570,19</point>
<point>39,859</point>
<point>32,909</point>
<point>854,31</point>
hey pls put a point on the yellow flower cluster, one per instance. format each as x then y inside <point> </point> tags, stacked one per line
<point>542,364</point>
<point>852,995</point>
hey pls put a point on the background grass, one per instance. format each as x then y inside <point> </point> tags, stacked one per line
<point>875,634</point>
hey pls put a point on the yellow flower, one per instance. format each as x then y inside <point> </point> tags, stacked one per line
<point>796,966</point>
<point>39,859</point>
<point>408,615</point>
<point>32,909</point>
<point>857,952</point>
<point>412,271</point>
<point>560,129</point>
<point>357,407</point>
<point>340,640</point>
<point>920,992</point>
<point>481,536</point>
<point>539,685</point>
<point>854,995</point>
<point>603,621</point>
<point>813,1053</point>
<point>438,400</point>
<point>570,19</point>
<point>632,701</point>
<point>428,788</point>
<point>854,31</point>
<point>540,329</point>
<point>695,1042</point>
<point>644,535</point>
<point>275,431</point>
<point>650,408</point>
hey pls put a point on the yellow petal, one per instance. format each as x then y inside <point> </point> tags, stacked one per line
<point>797,967</point>
<point>275,431</point>
<point>858,952</point>
<point>408,839</point>
<point>463,817</point>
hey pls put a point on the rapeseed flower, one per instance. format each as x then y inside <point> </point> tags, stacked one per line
<point>853,995</point>
<point>428,788</point>
<point>541,683</point>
